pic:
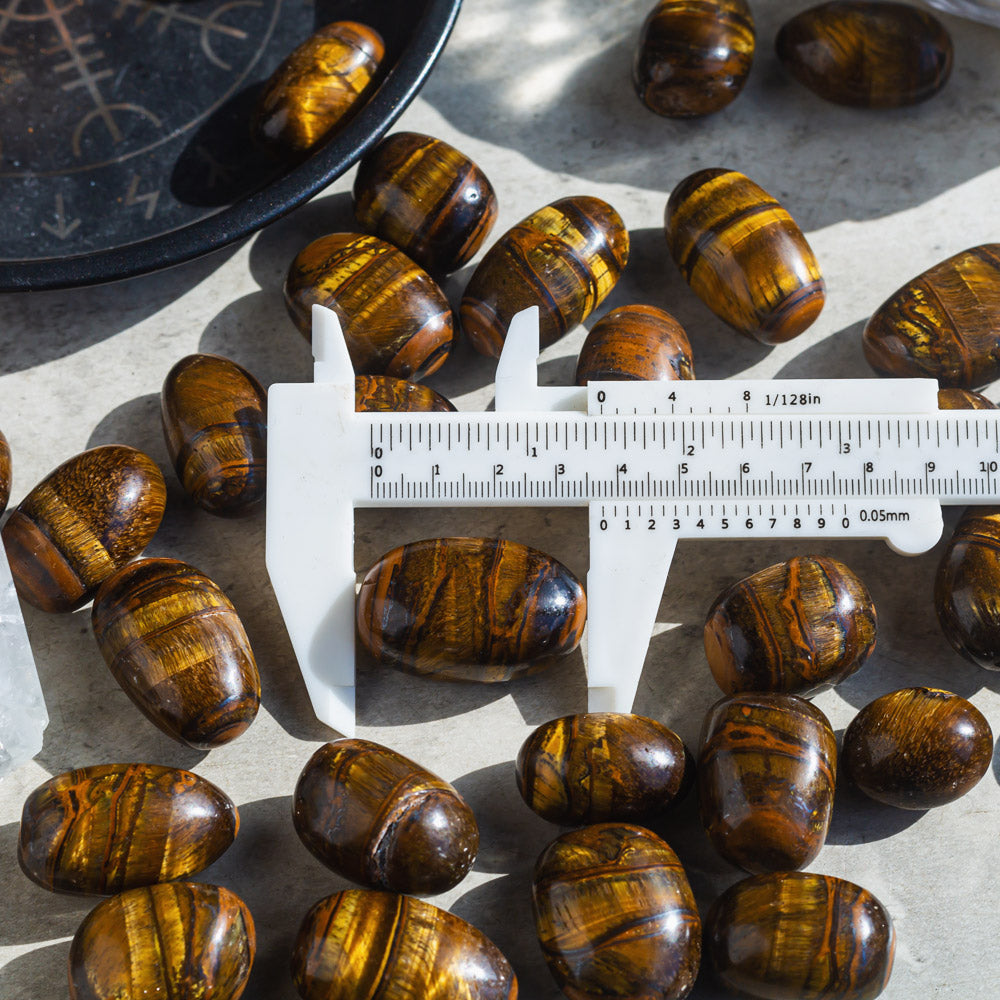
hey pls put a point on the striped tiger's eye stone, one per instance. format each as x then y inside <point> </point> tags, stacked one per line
<point>179,939</point>
<point>963,399</point>
<point>364,943</point>
<point>379,819</point>
<point>112,827</point>
<point>766,776</point>
<point>944,324</point>
<point>5,475</point>
<point>214,415</point>
<point>796,934</point>
<point>176,645</point>
<point>602,766</point>
<point>917,748</point>
<point>396,320</point>
<point>427,198</point>
<point>565,258</point>
<point>383,394</point>
<point>78,525</point>
<point>471,609</point>
<point>694,56</point>
<point>799,626</point>
<point>867,54</point>
<point>615,915</point>
<point>318,87</point>
<point>743,255</point>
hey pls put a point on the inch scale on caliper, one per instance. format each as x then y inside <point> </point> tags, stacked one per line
<point>653,461</point>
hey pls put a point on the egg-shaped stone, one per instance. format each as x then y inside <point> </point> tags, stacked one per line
<point>917,748</point>
<point>214,415</point>
<point>395,319</point>
<point>867,54</point>
<point>694,56</point>
<point>425,197</point>
<point>943,324</point>
<point>78,525</point>
<point>318,87</point>
<point>111,827</point>
<point>635,343</point>
<point>384,394</point>
<point>799,626</point>
<point>796,934</point>
<point>178,939</point>
<point>477,609</point>
<point>565,258</point>
<point>380,819</point>
<point>602,766</point>
<point>615,915</point>
<point>963,399</point>
<point>5,472</point>
<point>766,776</point>
<point>366,943</point>
<point>176,645</point>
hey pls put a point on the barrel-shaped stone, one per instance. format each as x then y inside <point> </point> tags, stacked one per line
<point>78,525</point>
<point>384,394</point>
<point>5,472</point>
<point>479,609</point>
<point>365,943</point>
<point>565,259</point>
<point>176,645</point>
<point>743,255</point>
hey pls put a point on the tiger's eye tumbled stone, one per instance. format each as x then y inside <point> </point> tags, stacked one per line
<point>179,939</point>
<point>917,748</point>
<point>318,87</point>
<point>4,472</point>
<point>694,56</point>
<point>963,399</point>
<point>396,320</point>
<point>214,415</point>
<point>615,915</point>
<point>602,766</point>
<point>377,818</point>
<point>176,645</point>
<point>798,626</point>
<point>427,198</point>
<point>796,934</point>
<point>482,609</point>
<point>943,324</point>
<point>766,776</point>
<point>565,258</point>
<point>78,525</point>
<point>743,255</point>
<point>112,827</point>
<point>635,343</point>
<point>867,54</point>
<point>383,394</point>
<point>364,943</point>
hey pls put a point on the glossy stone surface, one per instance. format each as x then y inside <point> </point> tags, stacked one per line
<point>766,777</point>
<point>482,609</point>
<point>565,258</point>
<point>796,934</point>
<point>318,87</point>
<point>81,522</point>
<point>917,748</point>
<point>799,626</point>
<point>176,645</point>
<point>5,472</point>
<point>963,399</point>
<point>384,394</point>
<point>396,320</point>
<point>364,943</point>
<point>635,343</point>
<point>743,255</point>
<point>380,819</point>
<point>111,827</point>
<point>214,415</point>
<point>943,324</point>
<point>425,197</point>
<point>602,766</point>
<point>180,939</point>
<point>615,915</point>
<point>694,56</point>
<point>867,54</point>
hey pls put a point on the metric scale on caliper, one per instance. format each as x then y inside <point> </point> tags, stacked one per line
<point>653,462</point>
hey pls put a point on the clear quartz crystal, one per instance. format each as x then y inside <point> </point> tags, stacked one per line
<point>987,11</point>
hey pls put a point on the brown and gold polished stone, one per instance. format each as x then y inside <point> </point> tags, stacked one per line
<point>384,394</point>
<point>5,474</point>
<point>963,399</point>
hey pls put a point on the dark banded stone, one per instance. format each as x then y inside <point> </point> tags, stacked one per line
<point>5,472</point>
<point>384,394</point>
<point>963,399</point>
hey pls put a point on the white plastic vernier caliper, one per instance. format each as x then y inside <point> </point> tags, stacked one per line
<point>653,462</point>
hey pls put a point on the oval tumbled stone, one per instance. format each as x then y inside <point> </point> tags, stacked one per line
<point>383,394</point>
<point>4,472</point>
<point>963,399</point>
<point>478,609</point>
